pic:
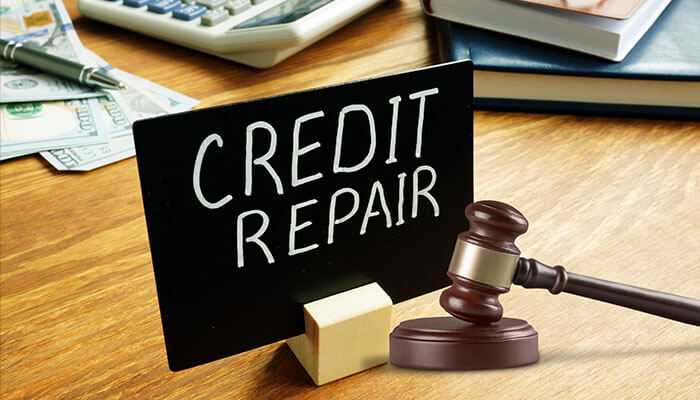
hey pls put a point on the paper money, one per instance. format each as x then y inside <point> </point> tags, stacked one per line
<point>45,23</point>
<point>73,135</point>
<point>34,126</point>
<point>118,111</point>
<point>113,113</point>
<point>87,158</point>
<point>170,99</point>
<point>121,143</point>
<point>141,99</point>
<point>13,154</point>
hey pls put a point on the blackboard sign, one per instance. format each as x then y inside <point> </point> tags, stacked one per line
<point>254,209</point>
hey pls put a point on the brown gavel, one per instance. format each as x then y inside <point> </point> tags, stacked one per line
<point>486,261</point>
<point>484,264</point>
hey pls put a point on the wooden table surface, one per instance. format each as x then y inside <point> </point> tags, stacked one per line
<point>615,198</point>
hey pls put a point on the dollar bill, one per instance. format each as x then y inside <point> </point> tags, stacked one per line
<point>133,104</point>
<point>118,114</point>
<point>87,158</point>
<point>141,99</point>
<point>173,101</point>
<point>170,99</point>
<point>111,109</point>
<point>14,154</point>
<point>87,128</point>
<point>46,24</point>
<point>32,127</point>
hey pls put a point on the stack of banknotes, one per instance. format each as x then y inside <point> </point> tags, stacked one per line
<point>75,128</point>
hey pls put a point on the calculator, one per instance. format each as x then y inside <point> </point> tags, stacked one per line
<point>259,33</point>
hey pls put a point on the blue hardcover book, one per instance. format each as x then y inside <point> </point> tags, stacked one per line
<point>659,78</point>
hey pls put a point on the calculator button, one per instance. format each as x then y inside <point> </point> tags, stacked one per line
<point>189,12</point>
<point>215,16</point>
<point>135,3</point>
<point>237,6</point>
<point>211,3</point>
<point>163,6</point>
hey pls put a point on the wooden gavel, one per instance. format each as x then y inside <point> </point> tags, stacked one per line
<point>486,261</point>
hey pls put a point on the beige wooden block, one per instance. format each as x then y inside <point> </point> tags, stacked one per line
<point>345,333</point>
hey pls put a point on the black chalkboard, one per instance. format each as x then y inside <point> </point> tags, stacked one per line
<point>224,192</point>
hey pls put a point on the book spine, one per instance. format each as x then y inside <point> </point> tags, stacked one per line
<point>580,108</point>
<point>446,49</point>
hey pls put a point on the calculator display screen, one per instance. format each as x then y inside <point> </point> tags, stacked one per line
<point>289,11</point>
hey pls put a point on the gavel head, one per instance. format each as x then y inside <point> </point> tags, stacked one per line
<point>484,262</point>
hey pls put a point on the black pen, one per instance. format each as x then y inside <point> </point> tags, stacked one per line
<point>33,56</point>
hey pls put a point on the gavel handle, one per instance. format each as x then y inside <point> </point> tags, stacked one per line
<point>531,273</point>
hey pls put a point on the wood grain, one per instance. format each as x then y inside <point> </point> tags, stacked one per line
<point>614,198</point>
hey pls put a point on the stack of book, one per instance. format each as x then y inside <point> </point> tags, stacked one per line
<point>622,57</point>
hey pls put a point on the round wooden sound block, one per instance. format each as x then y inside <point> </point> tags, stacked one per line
<point>448,343</point>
